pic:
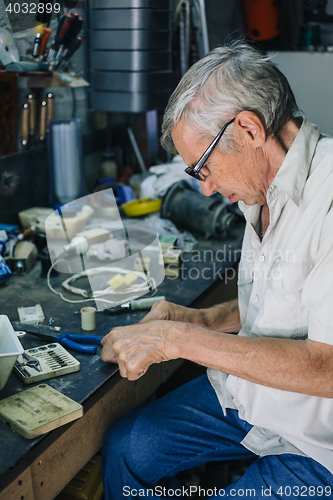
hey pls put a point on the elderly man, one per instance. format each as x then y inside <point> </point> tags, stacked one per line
<point>268,390</point>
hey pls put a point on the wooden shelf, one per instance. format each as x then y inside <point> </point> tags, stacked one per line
<point>46,79</point>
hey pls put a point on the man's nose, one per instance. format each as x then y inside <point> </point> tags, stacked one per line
<point>208,187</point>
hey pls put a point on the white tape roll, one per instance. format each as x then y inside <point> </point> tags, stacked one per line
<point>88,318</point>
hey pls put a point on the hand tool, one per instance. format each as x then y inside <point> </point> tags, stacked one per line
<point>31,100</point>
<point>54,361</point>
<point>63,27</point>
<point>45,37</point>
<point>72,341</point>
<point>43,17</point>
<point>22,370</point>
<point>42,121</point>
<point>134,305</point>
<point>50,106</point>
<point>72,32</point>
<point>69,340</point>
<point>25,125</point>
<point>32,362</point>
<point>72,47</point>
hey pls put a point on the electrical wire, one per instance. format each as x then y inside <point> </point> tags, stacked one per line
<point>98,294</point>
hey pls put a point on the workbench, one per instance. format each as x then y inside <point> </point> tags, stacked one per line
<point>38,469</point>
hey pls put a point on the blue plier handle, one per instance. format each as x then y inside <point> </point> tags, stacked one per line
<point>71,340</point>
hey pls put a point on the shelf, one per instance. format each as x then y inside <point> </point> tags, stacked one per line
<point>46,79</point>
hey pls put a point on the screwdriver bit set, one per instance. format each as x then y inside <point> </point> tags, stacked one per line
<point>44,362</point>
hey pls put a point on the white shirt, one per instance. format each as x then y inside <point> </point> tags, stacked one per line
<point>285,290</point>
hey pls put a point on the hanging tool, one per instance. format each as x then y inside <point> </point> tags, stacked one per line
<point>31,100</point>
<point>69,340</point>
<point>134,305</point>
<point>70,37</point>
<point>49,110</point>
<point>43,17</point>
<point>69,27</point>
<point>63,27</point>
<point>73,46</point>
<point>45,38</point>
<point>50,106</point>
<point>25,125</point>
<point>42,121</point>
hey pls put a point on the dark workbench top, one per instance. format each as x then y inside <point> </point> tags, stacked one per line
<point>200,271</point>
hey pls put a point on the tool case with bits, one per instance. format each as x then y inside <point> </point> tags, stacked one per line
<point>50,360</point>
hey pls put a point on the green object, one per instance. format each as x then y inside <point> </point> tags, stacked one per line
<point>134,305</point>
<point>145,303</point>
<point>310,36</point>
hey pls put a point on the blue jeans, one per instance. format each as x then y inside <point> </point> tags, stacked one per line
<point>145,450</point>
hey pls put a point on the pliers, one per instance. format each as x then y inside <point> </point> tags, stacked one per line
<point>70,340</point>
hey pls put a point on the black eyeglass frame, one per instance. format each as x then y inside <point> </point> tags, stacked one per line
<point>195,171</point>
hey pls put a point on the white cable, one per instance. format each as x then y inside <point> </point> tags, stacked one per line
<point>99,293</point>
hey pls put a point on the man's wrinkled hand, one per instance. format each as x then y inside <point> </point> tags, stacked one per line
<point>136,347</point>
<point>164,310</point>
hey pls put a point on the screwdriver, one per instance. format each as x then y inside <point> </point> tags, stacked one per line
<point>134,305</point>
<point>42,18</point>
<point>71,35</point>
<point>45,37</point>
<point>31,99</point>
<point>63,27</point>
<point>69,51</point>
<point>25,125</point>
<point>42,121</point>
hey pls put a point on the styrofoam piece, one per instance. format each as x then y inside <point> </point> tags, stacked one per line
<point>34,216</point>
<point>10,349</point>
<point>30,315</point>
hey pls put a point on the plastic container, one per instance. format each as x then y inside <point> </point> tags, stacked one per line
<point>142,206</point>
<point>10,349</point>
<point>34,216</point>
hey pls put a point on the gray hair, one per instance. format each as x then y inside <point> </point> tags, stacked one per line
<point>228,80</point>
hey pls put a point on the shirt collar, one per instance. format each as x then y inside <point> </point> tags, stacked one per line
<point>294,170</point>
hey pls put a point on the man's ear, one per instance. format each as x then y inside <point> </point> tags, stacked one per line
<point>250,128</point>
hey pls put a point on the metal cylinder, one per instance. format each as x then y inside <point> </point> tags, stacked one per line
<point>130,54</point>
<point>192,210</point>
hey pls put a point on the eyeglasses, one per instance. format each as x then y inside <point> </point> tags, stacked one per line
<point>195,171</point>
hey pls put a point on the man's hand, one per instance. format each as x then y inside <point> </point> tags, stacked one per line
<point>136,347</point>
<point>166,332</point>
<point>164,310</point>
<point>222,317</point>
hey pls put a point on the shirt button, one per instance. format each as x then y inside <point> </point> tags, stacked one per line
<point>256,298</point>
<point>262,258</point>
